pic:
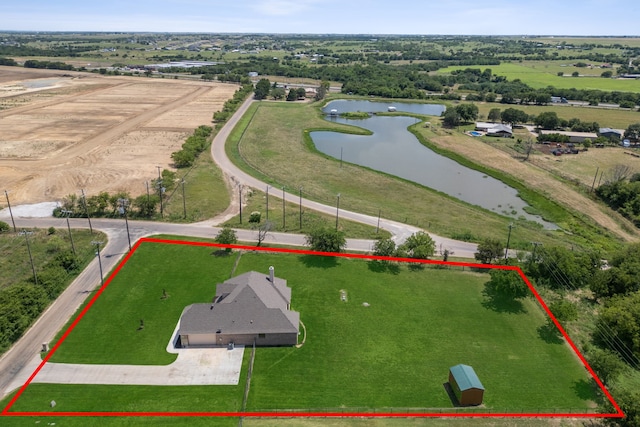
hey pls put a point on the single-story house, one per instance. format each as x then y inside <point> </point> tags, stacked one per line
<point>575,137</point>
<point>466,385</point>
<point>495,129</point>
<point>248,308</point>
<point>502,131</point>
<point>610,133</point>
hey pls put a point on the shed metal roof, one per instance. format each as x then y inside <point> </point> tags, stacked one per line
<point>466,377</point>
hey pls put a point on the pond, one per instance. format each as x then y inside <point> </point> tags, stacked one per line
<point>394,150</point>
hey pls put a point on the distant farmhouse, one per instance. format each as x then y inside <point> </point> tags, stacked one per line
<point>248,308</point>
<point>575,137</point>
<point>611,133</point>
<point>495,129</point>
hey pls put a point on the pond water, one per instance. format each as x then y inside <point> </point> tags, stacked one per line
<point>394,150</point>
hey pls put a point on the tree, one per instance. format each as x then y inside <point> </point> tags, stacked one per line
<point>494,115</point>
<point>547,120</point>
<point>302,93</point>
<point>292,95</point>
<point>326,239</point>
<point>467,112</point>
<point>606,364</point>
<point>514,116</point>
<point>506,283</point>
<point>419,245</point>
<point>146,206</point>
<point>633,132</point>
<point>4,227</point>
<point>621,316</point>
<point>278,93</point>
<point>564,311</point>
<point>262,89</point>
<point>451,118</point>
<point>488,250</point>
<point>226,236</point>
<point>575,74</point>
<point>384,247</point>
<point>607,74</point>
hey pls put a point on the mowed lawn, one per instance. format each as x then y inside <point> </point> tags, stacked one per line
<point>393,353</point>
<point>396,352</point>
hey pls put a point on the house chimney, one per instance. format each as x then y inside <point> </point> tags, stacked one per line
<point>271,276</point>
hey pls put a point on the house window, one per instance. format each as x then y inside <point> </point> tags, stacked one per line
<point>261,335</point>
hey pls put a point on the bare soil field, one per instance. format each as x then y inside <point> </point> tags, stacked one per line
<point>60,132</point>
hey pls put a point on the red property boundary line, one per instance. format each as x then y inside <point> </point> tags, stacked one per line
<point>618,414</point>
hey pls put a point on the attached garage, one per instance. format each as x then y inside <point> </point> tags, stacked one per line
<point>466,385</point>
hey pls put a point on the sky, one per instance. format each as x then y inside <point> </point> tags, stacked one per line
<point>475,17</point>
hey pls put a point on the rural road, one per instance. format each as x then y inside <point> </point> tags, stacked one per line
<point>14,361</point>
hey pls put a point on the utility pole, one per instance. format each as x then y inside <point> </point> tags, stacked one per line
<point>533,255</point>
<point>10,212</point>
<point>184,201</point>
<point>283,212</point>
<point>506,251</point>
<point>594,178</point>
<point>86,210</point>
<point>337,210</point>
<point>99,259</point>
<point>160,192</point>
<point>240,199</point>
<point>268,203</point>
<point>73,248</point>
<point>33,268</point>
<point>300,207</point>
<point>148,194</point>
<point>124,203</point>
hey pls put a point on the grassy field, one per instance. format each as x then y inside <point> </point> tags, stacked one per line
<point>257,202</point>
<point>403,343</point>
<point>536,75</point>
<point>205,191</point>
<point>605,117</point>
<point>273,134</point>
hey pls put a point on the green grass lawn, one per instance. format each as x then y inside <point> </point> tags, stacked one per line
<point>393,354</point>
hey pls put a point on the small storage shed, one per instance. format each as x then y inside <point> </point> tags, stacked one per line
<point>466,385</point>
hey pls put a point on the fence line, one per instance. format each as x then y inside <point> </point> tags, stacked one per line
<point>248,383</point>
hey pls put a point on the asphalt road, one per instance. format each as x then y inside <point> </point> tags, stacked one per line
<point>58,313</point>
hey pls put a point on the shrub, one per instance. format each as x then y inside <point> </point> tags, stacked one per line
<point>4,227</point>
<point>255,217</point>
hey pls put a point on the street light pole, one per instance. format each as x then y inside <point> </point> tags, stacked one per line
<point>99,259</point>
<point>506,251</point>
<point>337,210</point>
<point>73,248</point>
<point>10,212</point>
<point>86,210</point>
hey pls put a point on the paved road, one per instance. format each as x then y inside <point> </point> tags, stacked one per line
<point>14,362</point>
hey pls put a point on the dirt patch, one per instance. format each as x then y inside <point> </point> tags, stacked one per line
<point>94,132</point>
